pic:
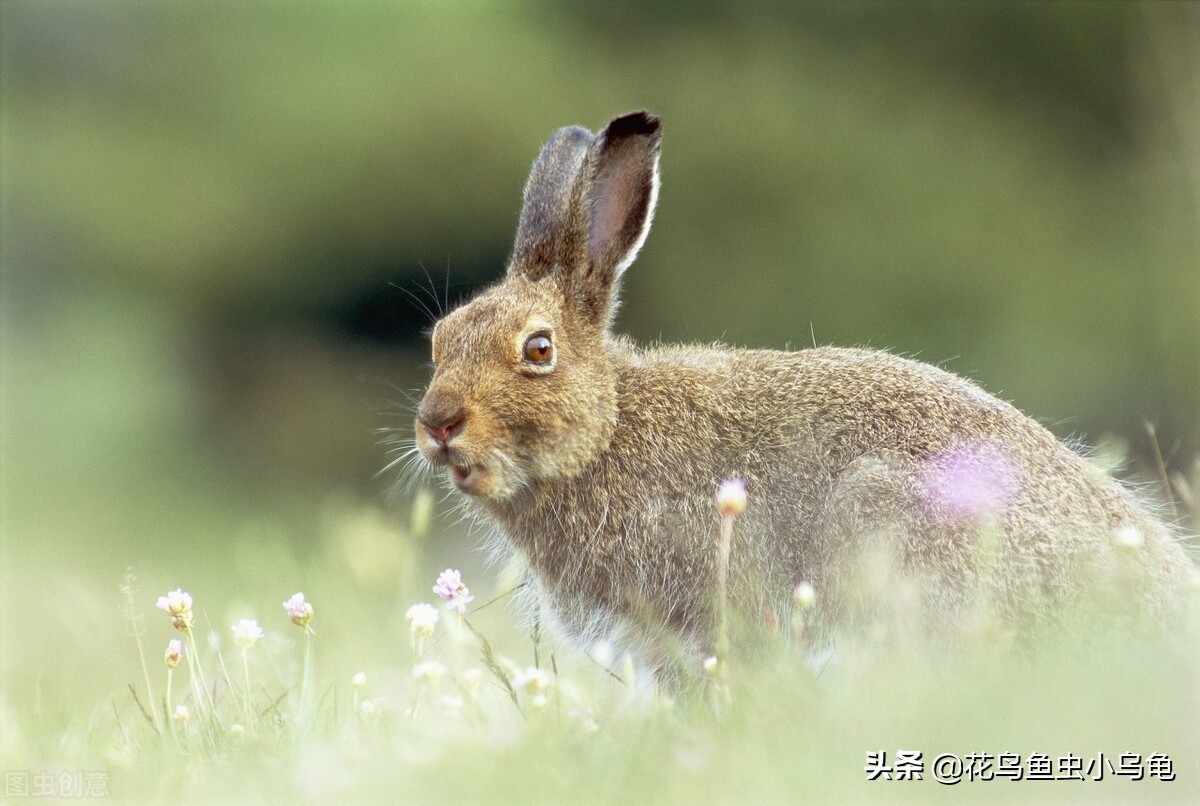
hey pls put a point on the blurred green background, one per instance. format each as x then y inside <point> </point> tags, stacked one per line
<point>210,210</point>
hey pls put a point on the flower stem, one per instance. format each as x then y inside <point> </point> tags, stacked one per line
<point>246,670</point>
<point>127,588</point>
<point>720,675</point>
<point>197,672</point>
<point>304,712</point>
<point>170,674</point>
<point>722,647</point>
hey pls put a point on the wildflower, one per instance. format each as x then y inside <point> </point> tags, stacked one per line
<point>173,654</point>
<point>602,653</point>
<point>1129,537</point>
<point>428,672</point>
<point>538,701</point>
<point>585,719</point>
<point>176,602</point>
<point>246,632</point>
<point>450,587</point>
<point>236,729</point>
<point>712,666</point>
<point>473,678</point>
<point>533,680</point>
<point>731,498</point>
<point>359,680</point>
<point>181,713</point>
<point>970,482</point>
<point>421,619</point>
<point>803,596</point>
<point>179,607</point>
<point>300,611</point>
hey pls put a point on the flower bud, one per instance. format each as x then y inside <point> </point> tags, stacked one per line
<point>173,654</point>
<point>731,498</point>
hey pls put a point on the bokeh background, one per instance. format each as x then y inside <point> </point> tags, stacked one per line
<point>215,217</point>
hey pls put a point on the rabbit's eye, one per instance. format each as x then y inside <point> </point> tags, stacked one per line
<point>539,349</point>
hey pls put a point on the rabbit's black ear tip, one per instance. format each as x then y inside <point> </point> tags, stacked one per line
<point>634,123</point>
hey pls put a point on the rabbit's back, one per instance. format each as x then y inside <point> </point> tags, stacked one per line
<point>863,468</point>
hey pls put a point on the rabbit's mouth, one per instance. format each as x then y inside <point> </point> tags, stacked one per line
<point>474,472</point>
<point>467,475</point>
<point>465,478</point>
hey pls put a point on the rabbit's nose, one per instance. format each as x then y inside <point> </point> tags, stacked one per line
<point>443,428</point>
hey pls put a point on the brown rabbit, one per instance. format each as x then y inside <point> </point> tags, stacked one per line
<point>598,459</point>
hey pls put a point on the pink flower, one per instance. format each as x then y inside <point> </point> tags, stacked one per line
<point>972,481</point>
<point>173,654</point>
<point>731,498</point>
<point>246,632</point>
<point>179,607</point>
<point>450,587</point>
<point>300,611</point>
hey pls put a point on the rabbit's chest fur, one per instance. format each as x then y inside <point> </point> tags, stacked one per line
<point>840,450</point>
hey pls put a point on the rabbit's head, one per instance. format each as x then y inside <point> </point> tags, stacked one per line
<point>523,387</point>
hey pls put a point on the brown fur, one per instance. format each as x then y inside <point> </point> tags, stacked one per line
<point>600,470</point>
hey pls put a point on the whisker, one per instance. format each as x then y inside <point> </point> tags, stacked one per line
<point>401,458</point>
<point>419,302</point>
<point>432,291</point>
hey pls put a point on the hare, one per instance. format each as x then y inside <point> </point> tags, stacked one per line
<point>872,477</point>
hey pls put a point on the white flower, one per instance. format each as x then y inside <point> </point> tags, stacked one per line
<point>181,713</point>
<point>300,611</point>
<point>236,729</point>
<point>421,619</point>
<point>711,665</point>
<point>246,632</point>
<point>179,607</point>
<point>428,672</point>
<point>173,654</point>
<point>602,653</point>
<point>473,678</point>
<point>176,602</point>
<point>585,719</point>
<point>731,498</point>
<point>1129,537</point>
<point>533,680</point>
<point>452,704</point>
<point>450,587</point>
<point>804,595</point>
<point>359,680</point>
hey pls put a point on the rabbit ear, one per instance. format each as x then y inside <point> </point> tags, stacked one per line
<point>542,237</point>
<point>613,202</point>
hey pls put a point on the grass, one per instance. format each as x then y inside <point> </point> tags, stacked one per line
<point>474,709</point>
